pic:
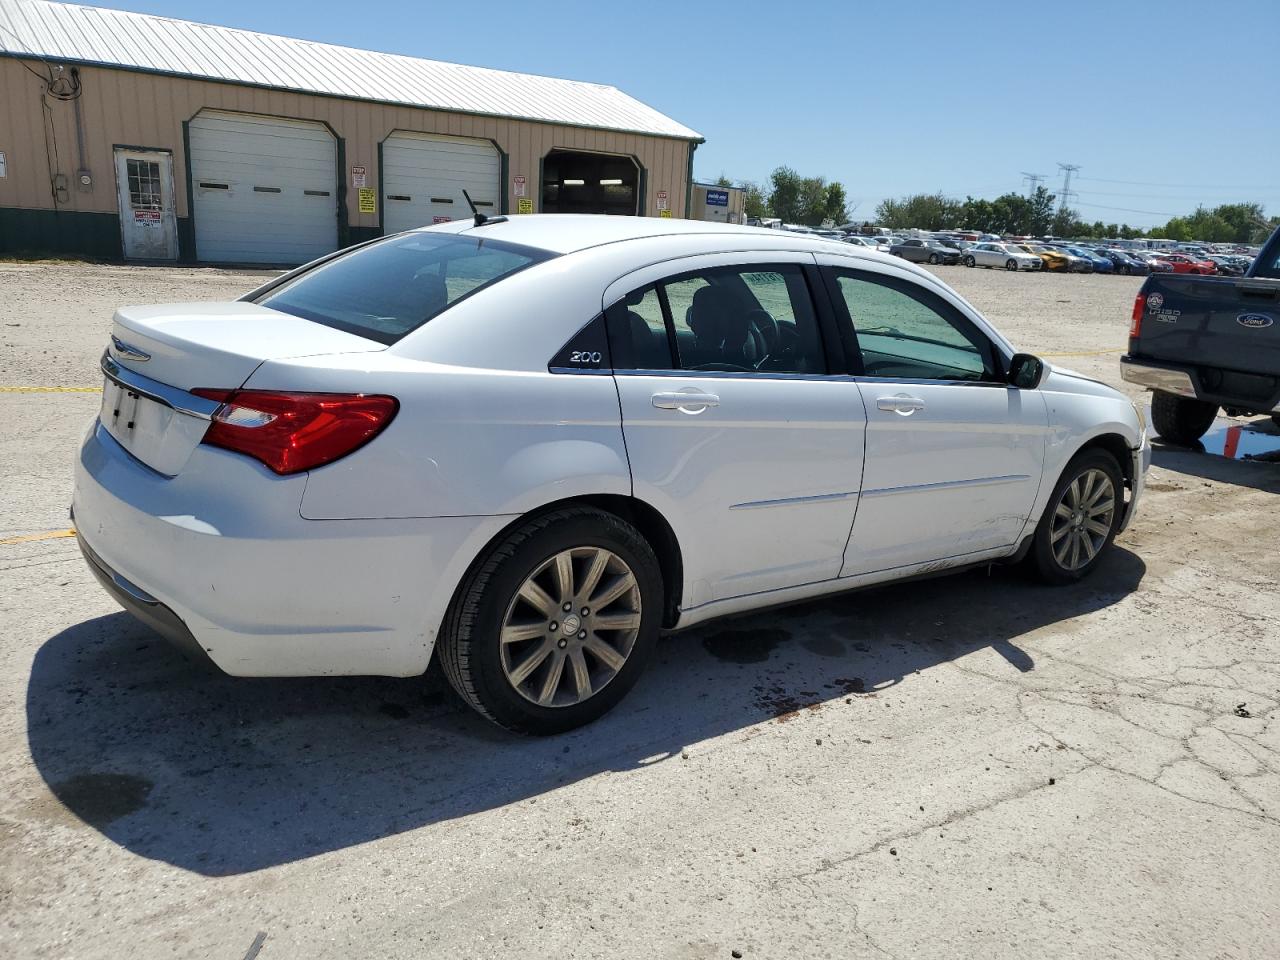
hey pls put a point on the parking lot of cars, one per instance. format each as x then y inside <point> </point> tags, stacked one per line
<point>948,767</point>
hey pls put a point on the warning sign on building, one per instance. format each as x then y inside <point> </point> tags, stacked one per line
<point>663,203</point>
<point>664,213</point>
<point>358,178</point>
<point>368,204</point>
<point>524,205</point>
<point>518,184</point>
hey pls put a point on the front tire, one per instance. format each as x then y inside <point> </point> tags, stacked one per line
<point>1011,264</point>
<point>1181,420</point>
<point>553,627</point>
<point>933,259</point>
<point>1081,519</point>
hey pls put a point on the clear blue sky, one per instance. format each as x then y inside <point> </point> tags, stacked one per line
<point>1154,100</point>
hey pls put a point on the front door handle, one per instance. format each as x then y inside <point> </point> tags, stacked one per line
<point>900,404</point>
<point>686,401</point>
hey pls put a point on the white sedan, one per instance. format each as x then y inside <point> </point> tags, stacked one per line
<point>1004,255</point>
<point>528,446</point>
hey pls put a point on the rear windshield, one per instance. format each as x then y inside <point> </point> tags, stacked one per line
<point>390,288</point>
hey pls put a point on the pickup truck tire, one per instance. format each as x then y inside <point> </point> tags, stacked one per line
<point>1080,520</point>
<point>1181,420</point>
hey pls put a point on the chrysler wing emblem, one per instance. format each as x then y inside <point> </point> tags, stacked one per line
<point>128,351</point>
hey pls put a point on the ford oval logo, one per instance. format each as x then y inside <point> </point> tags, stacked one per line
<point>1255,321</point>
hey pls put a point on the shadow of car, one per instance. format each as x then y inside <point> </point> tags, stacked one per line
<point>224,776</point>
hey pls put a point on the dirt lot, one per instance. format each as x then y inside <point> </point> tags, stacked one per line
<point>970,766</point>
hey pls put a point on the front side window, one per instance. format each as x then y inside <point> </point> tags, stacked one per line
<point>730,319</point>
<point>903,334</point>
<point>390,288</point>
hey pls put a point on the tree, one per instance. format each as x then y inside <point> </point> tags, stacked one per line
<point>756,204</point>
<point>723,181</point>
<point>807,200</point>
<point>925,211</point>
<point>784,198</point>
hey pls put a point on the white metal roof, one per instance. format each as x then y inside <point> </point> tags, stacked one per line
<point>69,32</point>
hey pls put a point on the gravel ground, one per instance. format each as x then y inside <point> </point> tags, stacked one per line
<point>967,766</point>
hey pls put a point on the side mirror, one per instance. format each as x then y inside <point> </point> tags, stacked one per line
<point>1026,371</point>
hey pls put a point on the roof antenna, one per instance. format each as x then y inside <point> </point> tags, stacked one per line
<point>481,219</point>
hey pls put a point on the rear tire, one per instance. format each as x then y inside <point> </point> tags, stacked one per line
<point>1081,520</point>
<point>1181,420</point>
<point>488,669</point>
<point>970,262</point>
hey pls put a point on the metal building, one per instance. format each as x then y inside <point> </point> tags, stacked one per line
<point>140,137</point>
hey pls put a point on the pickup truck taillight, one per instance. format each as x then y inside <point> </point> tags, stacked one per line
<point>292,432</point>
<point>1139,308</point>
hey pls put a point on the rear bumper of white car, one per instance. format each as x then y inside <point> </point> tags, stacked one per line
<point>220,558</point>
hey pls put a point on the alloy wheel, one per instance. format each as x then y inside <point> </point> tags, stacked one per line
<point>571,627</point>
<point>1082,519</point>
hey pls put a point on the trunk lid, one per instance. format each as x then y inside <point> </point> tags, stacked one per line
<point>219,344</point>
<point>1232,323</point>
<point>158,354</point>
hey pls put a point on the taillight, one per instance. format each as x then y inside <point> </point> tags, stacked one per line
<point>292,432</point>
<point>1139,308</point>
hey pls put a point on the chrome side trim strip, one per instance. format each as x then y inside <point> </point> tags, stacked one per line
<point>948,484</point>
<point>786,501</point>
<point>172,397</point>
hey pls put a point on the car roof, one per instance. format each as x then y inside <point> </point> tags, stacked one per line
<point>571,232</point>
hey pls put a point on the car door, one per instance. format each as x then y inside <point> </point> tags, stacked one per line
<point>985,255</point>
<point>741,427</point>
<point>954,454</point>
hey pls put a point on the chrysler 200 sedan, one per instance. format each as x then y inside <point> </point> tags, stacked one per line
<point>529,446</point>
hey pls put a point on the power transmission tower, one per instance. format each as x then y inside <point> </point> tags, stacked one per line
<point>1033,181</point>
<point>1067,193</point>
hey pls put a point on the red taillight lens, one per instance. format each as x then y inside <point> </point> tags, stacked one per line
<point>1139,308</point>
<point>292,432</point>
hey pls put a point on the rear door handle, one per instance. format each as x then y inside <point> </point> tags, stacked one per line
<point>686,401</point>
<point>901,404</point>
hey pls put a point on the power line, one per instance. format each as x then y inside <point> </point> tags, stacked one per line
<point>1098,206</point>
<point>1187,186</point>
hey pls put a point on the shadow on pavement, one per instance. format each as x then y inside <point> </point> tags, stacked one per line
<point>224,776</point>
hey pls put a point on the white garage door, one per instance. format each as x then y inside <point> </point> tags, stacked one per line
<point>264,189</point>
<point>423,176</point>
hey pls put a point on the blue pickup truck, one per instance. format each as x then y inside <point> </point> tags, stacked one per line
<point>1204,343</point>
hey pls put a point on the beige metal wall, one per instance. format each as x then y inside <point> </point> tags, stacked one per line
<point>146,110</point>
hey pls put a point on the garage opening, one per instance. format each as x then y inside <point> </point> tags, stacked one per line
<point>577,182</point>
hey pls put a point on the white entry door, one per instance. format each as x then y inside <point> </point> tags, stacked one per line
<point>148,221</point>
<point>424,174</point>
<point>264,189</point>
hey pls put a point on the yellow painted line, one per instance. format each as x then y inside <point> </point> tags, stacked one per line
<point>50,389</point>
<point>33,537</point>
<point>1090,353</point>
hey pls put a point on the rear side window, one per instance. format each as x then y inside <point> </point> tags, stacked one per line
<point>388,289</point>
<point>757,320</point>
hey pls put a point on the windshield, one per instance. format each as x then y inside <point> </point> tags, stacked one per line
<point>390,288</point>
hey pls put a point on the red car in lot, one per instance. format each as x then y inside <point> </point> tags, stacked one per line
<point>1184,264</point>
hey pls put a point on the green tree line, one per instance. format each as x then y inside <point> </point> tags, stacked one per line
<point>1014,213</point>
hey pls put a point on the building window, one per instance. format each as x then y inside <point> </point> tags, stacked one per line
<point>144,184</point>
